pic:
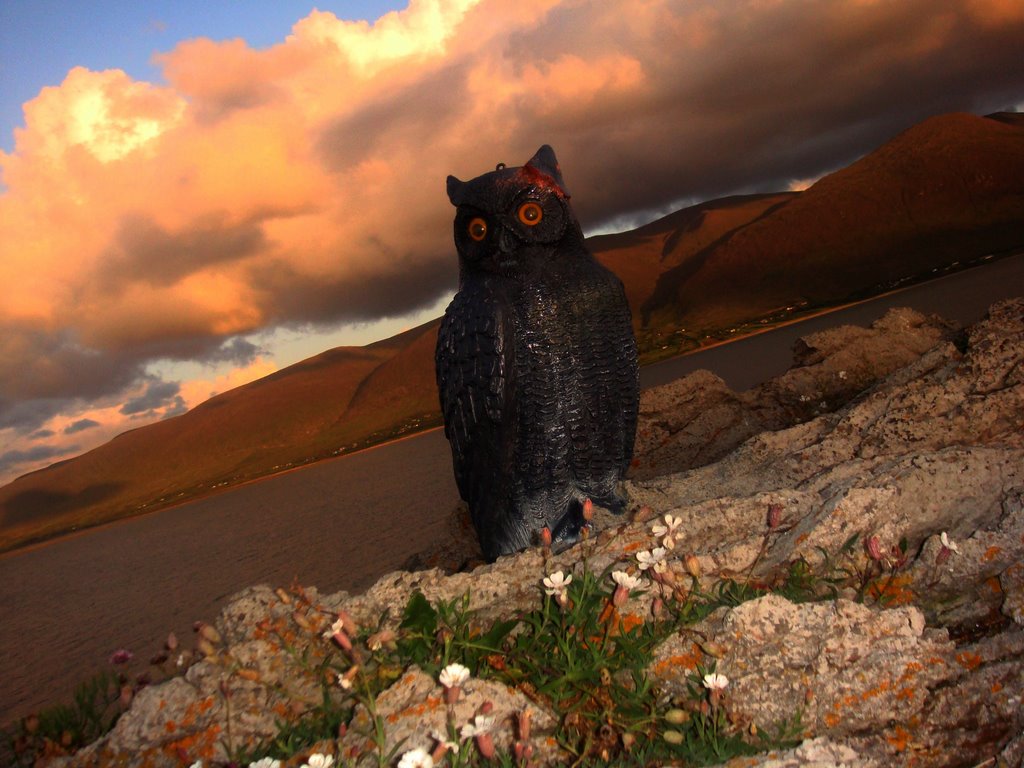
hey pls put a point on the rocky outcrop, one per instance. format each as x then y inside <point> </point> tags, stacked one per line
<point>885,471</point>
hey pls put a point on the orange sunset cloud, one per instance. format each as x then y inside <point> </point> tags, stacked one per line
<point>302,185</point>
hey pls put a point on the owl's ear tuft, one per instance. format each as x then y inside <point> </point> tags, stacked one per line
<point>544,163</point>
<point>455,190</point>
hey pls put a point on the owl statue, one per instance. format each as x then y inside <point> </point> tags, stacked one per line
<point>536,361</point>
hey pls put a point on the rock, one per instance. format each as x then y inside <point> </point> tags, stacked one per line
<point>698,419</point>
<point>814,753</point>
<point>845,666</point>
<point>907,501</point>
<point>414,710</point>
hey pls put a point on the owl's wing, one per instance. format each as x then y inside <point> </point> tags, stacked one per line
<point>473,370</point>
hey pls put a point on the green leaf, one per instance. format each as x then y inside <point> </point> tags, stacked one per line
<point>419,616</point>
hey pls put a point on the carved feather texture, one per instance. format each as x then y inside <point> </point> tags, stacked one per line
<point>536,369</point>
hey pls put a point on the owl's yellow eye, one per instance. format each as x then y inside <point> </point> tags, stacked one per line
<point>478,229</point>
<point>530,214</point>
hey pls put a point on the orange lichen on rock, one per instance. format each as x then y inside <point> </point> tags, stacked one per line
<point>632,547</point>
<point>630,622</point>
<point>991,554</point>
<point>892,591</point>
<point>899,739</point>
<point>911,669</point>
<point>685,660</point>
<point>993,583</point>
<point>832,719</point>
<point>969,660</point>
<point>199,745</point>
<point>432,704</point>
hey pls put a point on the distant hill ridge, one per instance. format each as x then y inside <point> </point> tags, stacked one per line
<point>948,190</point>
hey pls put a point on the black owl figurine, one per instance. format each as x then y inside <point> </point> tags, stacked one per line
<point>536,361</point>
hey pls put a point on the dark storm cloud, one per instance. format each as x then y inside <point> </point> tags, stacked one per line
<point>412,283</point>
<point>145,251</point>
<point>236,350</point>
<point>158,394</point>
<point>10,460</point>
<point>80,426</point>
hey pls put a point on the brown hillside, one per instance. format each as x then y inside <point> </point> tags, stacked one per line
<point>948,189</point>
<point>399,393</point>
<point>640,256</point>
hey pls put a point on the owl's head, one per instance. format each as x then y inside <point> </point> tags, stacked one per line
<point>511,218</point>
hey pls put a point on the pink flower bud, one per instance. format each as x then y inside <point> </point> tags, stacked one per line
<point>693,566</point>
<point>524,724</point>
<point>656,607</point>
<point>588,510</point>
<point>874,548</point>
<point>774,516</point>
<point>485,745</point>
<point>121,656</point>
<point>487,707</point>
<point>620,596</point>
<point>347,618</point>
<point>545,537</point>
<point>451,695</point>
<point>342,640</point>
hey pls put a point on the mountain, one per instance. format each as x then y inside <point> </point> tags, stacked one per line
<point>943,193</point>
<point>946,190</point>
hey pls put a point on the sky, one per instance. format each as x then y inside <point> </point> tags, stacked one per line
<point>194,195</point>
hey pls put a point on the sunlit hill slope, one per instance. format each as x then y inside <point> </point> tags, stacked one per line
<point>943,193</point>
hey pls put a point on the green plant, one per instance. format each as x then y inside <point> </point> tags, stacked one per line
<point>64,728</point>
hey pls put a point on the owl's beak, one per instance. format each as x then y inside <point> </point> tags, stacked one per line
<point>508,243</point>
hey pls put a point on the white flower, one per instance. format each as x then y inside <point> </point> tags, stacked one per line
<point>442,741</point>
<point>557,583</point>
<point>416,758</point>
<point>668,530</point>
<point>336,627</point>
<point>626,581</point>
<point>345,679</point>
<point>715,682</point>
<point>197,764</point>
<point>316,760</point>
<point>453,675</point>
<point>266,762</point>
<point>481,725</point>
<point>948,543</point>
<point>649,559</point>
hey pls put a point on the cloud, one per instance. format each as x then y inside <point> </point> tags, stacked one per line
<point>80,426</point>
<point>304,183</point>
<point>158,394</point>
<point>10,461</point>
